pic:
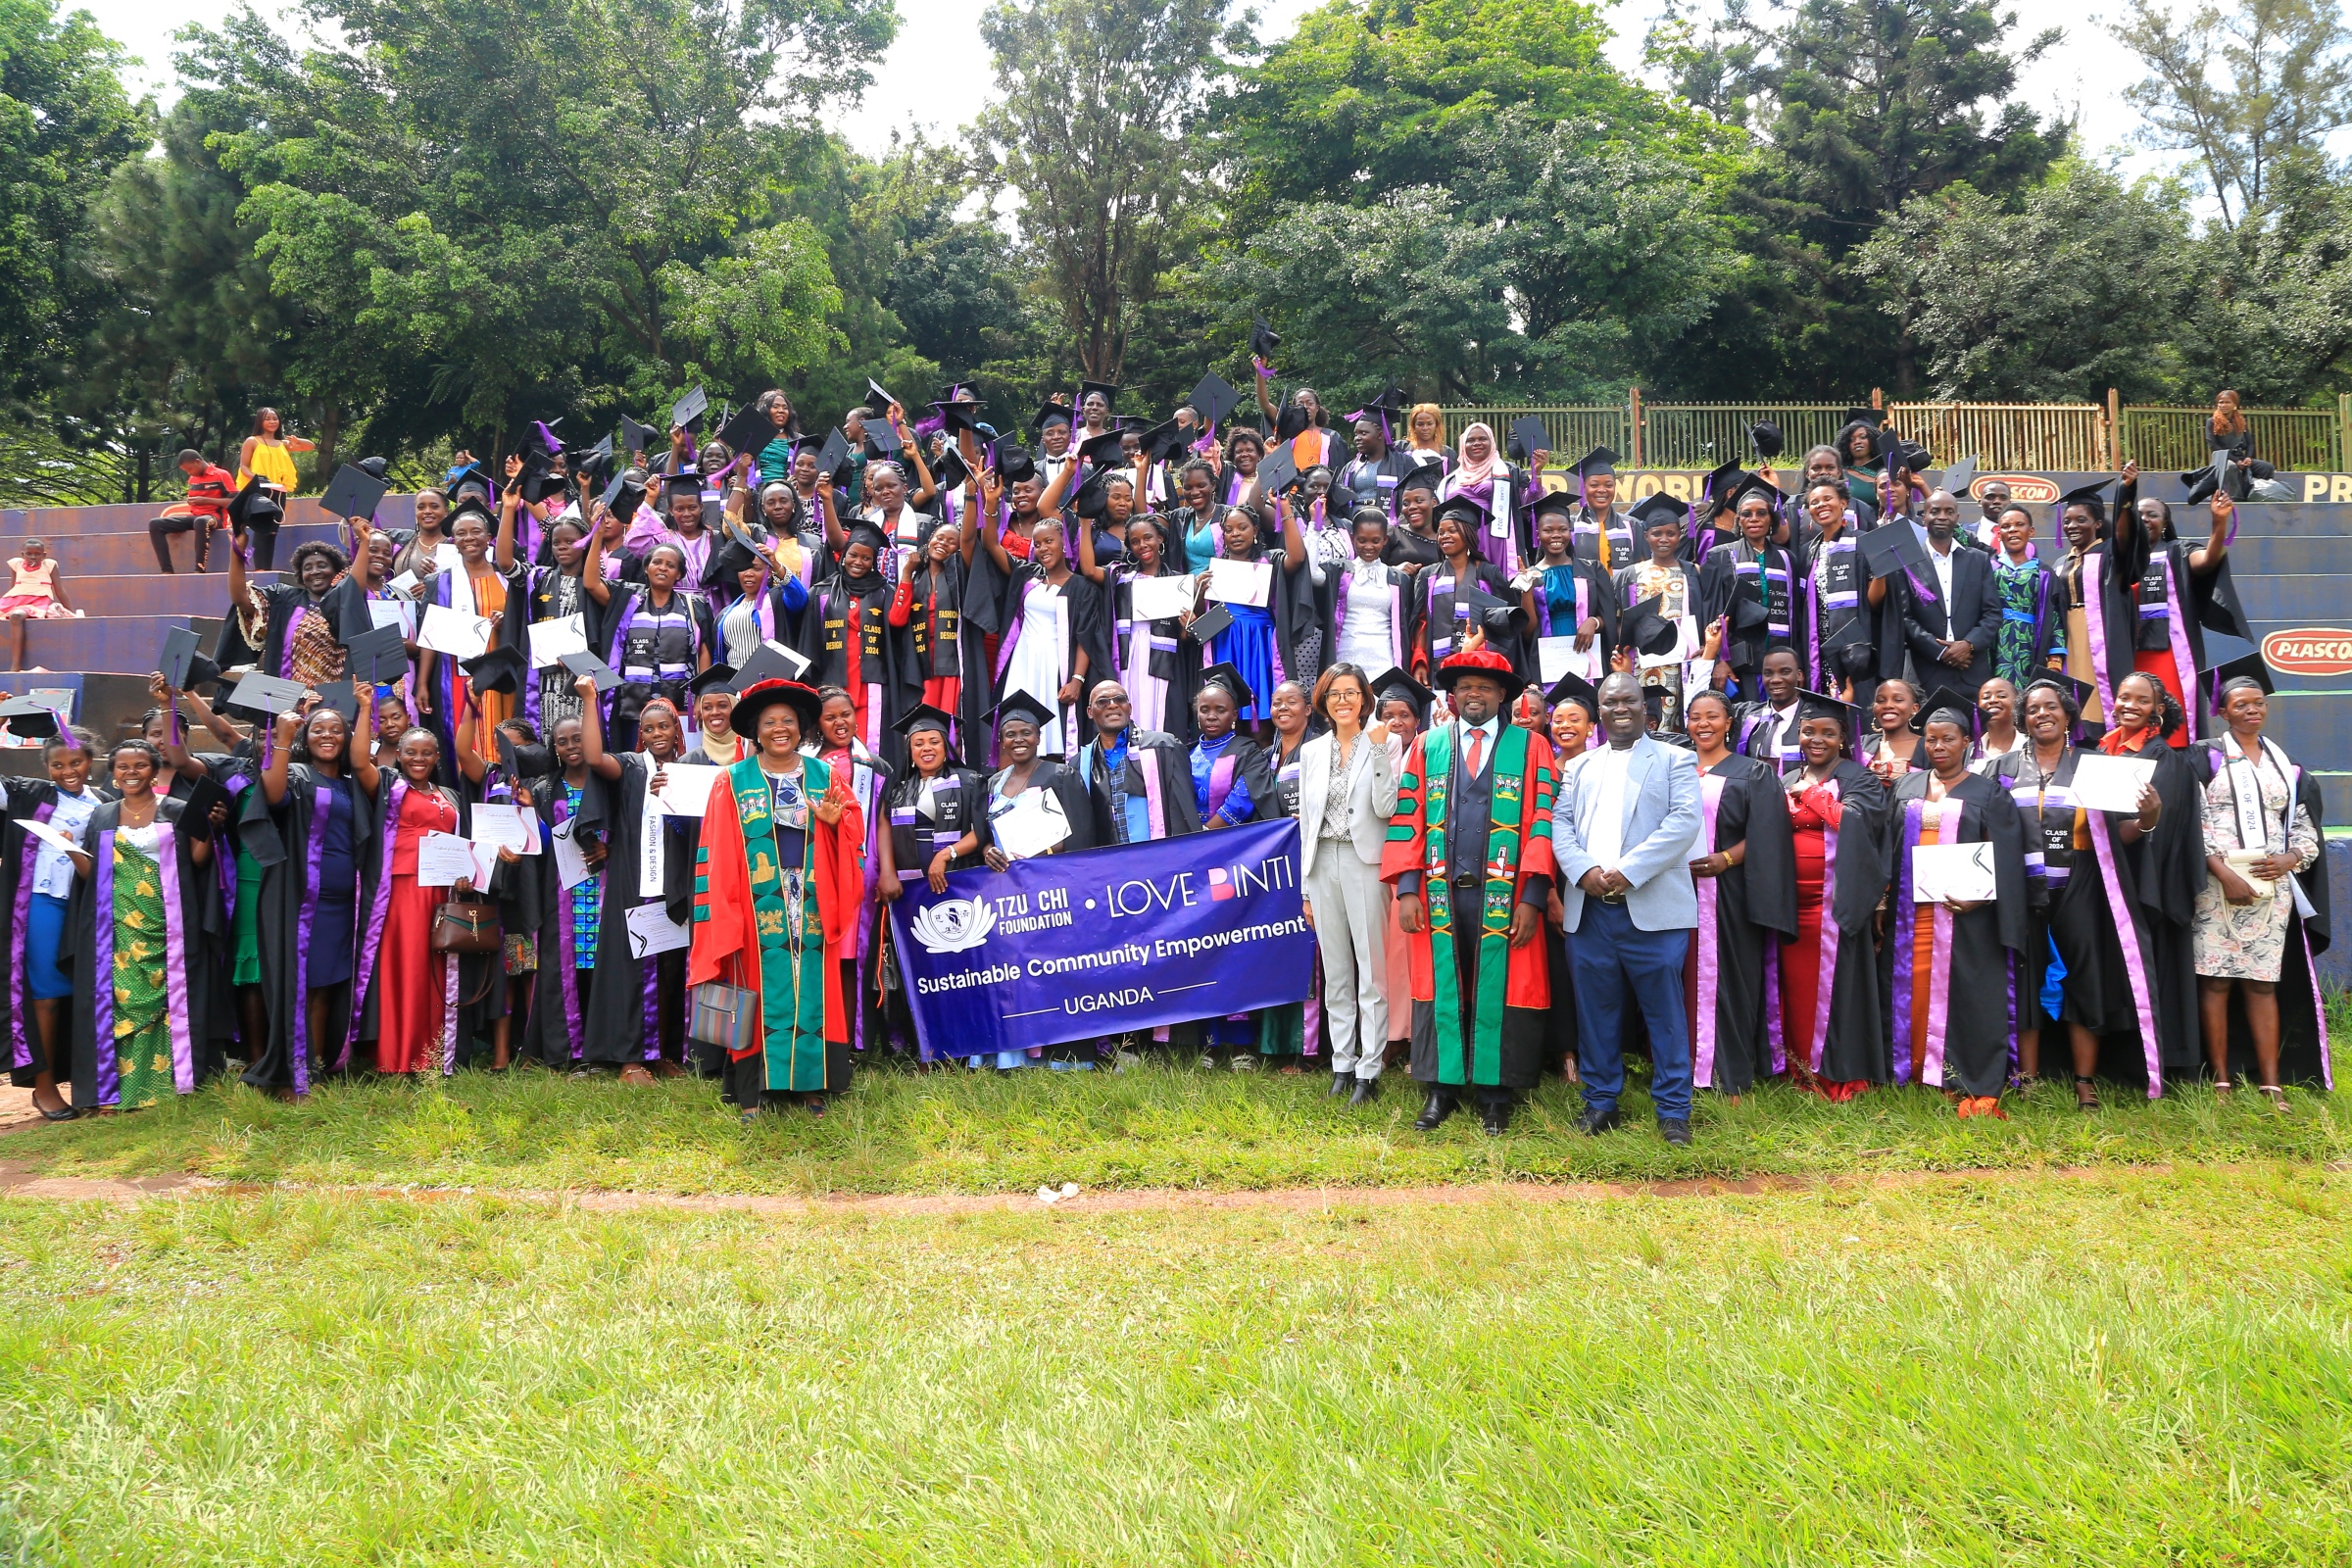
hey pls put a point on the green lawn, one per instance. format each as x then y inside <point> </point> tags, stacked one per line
<point>2125,1367</point>
<point>1159,1126</point>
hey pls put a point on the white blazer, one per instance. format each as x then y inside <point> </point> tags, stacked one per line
<point>1371,797</point>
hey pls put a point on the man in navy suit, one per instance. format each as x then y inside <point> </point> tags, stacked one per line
<point>1624,824</point>
<point>1949,636</point>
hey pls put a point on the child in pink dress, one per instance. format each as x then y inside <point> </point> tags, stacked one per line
<point>36,592</point>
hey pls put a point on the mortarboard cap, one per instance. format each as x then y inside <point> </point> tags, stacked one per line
<point>1276,472</point>
<point>537,481</point>
<point>1754,484</point>
<point>1021,705</point>
<point>176,655</point>
<point>266,694</point>
<point>373,468</point>
<point>866,533</point>
<point>770,661</point>
<point>955,418</point>
<point>1960,476</point>
<point>1891,547</point>
<point>343,696</point>
<point>1550,502</point>
<point>1428,477</point>
<point>882,437</point>
<point>626,494</point>
<point>2092,495</point>
<point>1940,699</point>
<point>688,409</point>
<point>635,437</point>
<point>1573,688</point>
<point>1213,399</point>
<point>950,473</point>
<point>833,458</point>
<point>500,669</point>
<point>924,716</point>
<point>883,397</point>
<point>2229,656</point>
<point>1227,676</point>
<point>1817,705</point>
<point>749,431</point>
<point>591,665</point>
<point>1647,629</point>
<point>1087,389</point>
<point>1393,685</point>
<point>1718,485</point>
<point>1528,437</point>
<point>1653,510</point>
<point>376,656</point>
<point>1859,415</point>
<point>1051,413</point>
<point>28,719</point>
<point>682,484</point>
<point>1748,613</point>
<point>1162,441</point>
<point>1765,436</point>
<point>354,493</point>
<point>1598,461</point>
<point>197,806</point>
<point>1468,507</point>
<point>1264,340</point>
<point>251,506</point>
<point>717,676</point>
<point>1104,449</point>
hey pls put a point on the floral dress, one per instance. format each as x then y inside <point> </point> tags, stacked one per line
<point>2248,941</point>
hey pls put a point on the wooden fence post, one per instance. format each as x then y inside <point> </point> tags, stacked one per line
<point>1633,402</point>
<point>1878,399</point>
<point>2114,430</point>
<point>2343,431</point>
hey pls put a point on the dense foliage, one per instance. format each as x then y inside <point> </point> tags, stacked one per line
<point>430,220</point>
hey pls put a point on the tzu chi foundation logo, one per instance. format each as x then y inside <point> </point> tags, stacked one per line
<point>953,925</point>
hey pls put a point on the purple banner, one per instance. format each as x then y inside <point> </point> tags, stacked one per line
<point>1106,940</point>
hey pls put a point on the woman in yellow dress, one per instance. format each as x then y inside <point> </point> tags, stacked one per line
<point>269,455</point>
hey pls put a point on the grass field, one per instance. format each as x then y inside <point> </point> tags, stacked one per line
<point>1158,1126</point>
<point>2116,1367</point>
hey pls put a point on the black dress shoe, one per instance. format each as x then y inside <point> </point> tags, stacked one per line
<point>1440,1107</point>
<point>1341,1083</point>
<point>1495,1116</point>
<point>1594,1122</point>
<point>1366,1091</point>
<point>1675,1130</point>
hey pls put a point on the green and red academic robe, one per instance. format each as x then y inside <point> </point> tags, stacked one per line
<point>742,929</point>
<point>1505,1048</point>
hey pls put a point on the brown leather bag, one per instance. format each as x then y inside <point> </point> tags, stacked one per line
<point>461,926</point>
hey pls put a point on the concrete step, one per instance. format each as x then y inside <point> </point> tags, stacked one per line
<point>115,554</point>
<point>69,523</point>
<point>109,644</point>
<point>153,593</point>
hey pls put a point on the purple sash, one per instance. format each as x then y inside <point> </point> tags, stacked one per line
<point>1906,920</point>
<point>1705,990</point>
<point>321,803</point>
<point>20,981</point>
<point>1826,973</point>
<point>175,967</point>
<point>363,963</point>
<point>2094,616</point>
<point>559,808</point>
<point>2134,963</point>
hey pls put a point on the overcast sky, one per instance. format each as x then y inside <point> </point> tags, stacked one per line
<point>937,75</point>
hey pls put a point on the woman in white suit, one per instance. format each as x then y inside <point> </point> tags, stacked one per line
<point>1346,794</point>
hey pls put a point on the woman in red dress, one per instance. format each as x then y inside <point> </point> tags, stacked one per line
<point>1830,1020</point>
<point>411,990</point>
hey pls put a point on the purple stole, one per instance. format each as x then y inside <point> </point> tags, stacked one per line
<point>364,962</point>
<point>1826,975</point>
<point>175,965</point>
<point>321,802</point>
<point>1906,923</point>
<point>22,1056</point>
<point>559,807</point>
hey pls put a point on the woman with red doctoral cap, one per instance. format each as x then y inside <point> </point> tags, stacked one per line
<point>777,888</point>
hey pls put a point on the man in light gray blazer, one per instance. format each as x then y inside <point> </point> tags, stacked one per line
<point>1623,829</point>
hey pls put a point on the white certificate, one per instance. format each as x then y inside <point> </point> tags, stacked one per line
<point>442,859</point>
<point>446,557</point>
<point>393,612</point>
<point>551,640</point>
<point>1032,825</point>
<point>1942,873</point>
<point>1161,597</point>
<point>1241,582</point>
<point>651,931</point>
<point>685,788</point>
<point>51,836</point>
<point>2104,783</point>
<point>1557,656</point>
<point>571,866</point>
<point>405,584</point>
<point>454,632</point>
<point>512,827</point>
<point>653,851</point>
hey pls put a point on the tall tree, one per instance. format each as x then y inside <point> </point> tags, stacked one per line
<point>1098,101</point>
<point>65,122</point>
<point>2240,91</point>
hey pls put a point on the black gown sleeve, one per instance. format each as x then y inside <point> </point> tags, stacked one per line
<point>1770,868</point>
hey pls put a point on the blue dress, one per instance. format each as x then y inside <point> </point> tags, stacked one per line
<point>1247,644</point>
<point>331,940</point>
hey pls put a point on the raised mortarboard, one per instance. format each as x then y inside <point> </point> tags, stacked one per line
<point>635,437</point>
<point>1276,472</point>
<point>1211,624</point>
<point>594,463</point>
<point>1895,547</point>
<point>1717,487</point>
<point>1765,436</point>
<point>537,481</point>
<point>500,669</point>
<point>1528,437</point>
<point>833,458</point>
<point>1021,705</point>
<point>543,431</point>
<point>1428,477</point>
<point>1051,414</point>
<point>342,697</point>
<point>955,418</point>
<point>748,432</point>
<point>1911,458</point>
<point>373,468</point>
<point>1104,451</point>
<point>2078,692</point>
<point>251,506</point>
<point>770,661</point>
<point>1647,629</point>
<point>2092,495</point>
<point>197,806</point>
<point>1162,441</point>
<point>950,473</point>
<point>354,493</point>
<point>923,716</point>
<point>884,439</point>
<point>1961,477</point>
<point>1660,509</point>
<point>688,409</point>
<point>2229,656</point>
<point>1480,603</point>
<point>1014,464</point>
<point>1087,389</point>
<point>1094,496</point>
<point>1573,688</point>
<point>591,665</point>
<point>883,397</point>
<point>176,655</point>
<point>1227,676</point>
<point>257,693</point>
<point>718,676</point>
<point>379,655</point>
<point>1940,699</point>
<point>626,494</point>
<point>1264,340</point>
<point>28,719</point>
<point>1213,399</point>
<point>1599,461</point>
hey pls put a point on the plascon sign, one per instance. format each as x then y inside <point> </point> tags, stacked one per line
<point>2034,487</point>
<point>2308,651</point>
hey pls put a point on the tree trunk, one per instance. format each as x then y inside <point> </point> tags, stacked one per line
<point>146,471</point>
<point>330,433</point>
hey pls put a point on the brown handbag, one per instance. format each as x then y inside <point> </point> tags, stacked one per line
<point>460,926</point>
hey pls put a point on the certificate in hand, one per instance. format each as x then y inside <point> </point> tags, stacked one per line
<point>512,827</point>
<point>1951,873</point>
<point>651,931</point>
<point>454,632</point>
<point>685,788</point>
<point>1241,582</point>
<point>551,640</point>
<point>571,866</point>
<point>55,838</point>
<point>1557,656</point>
<point>442,859</point>
<point>2104,783</point>
<point>393,612</point>
<point>1032,825</point>
<point>1161,597</point>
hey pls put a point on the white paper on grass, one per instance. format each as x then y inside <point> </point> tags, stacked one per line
<point>1557,656</point>
<point>1161,597</point>
<point>1032,825</point>
<point>1241,582</point>
<point>551,640</point>
<point>651,931</point>
<point>2104,783</point>
<point>685,788</point>
<point>442,859</point>
<point>393,612</point>
<point>572,865</point>
<point>1948,873</point>
<point>513,827</point>
<point>454,632</point>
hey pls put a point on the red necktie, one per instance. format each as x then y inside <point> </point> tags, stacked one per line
<point>1478,751</point>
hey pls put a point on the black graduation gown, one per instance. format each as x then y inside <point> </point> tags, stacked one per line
<point>1586,528</point>
<point>288,903</point>
<point>1838,642</point>
<point>1556,619</point>
<point>202,923</point>
<point>1087,609</point>
<point>1759,731</point>
<point>2078,907</point>
<point>960,801</point>
<point>1438,629</point>
<point>25,799</point>
<point>1164,659</point>
<point>612,629</point>
<point>1874,743</point>
<point>1854,1048</point>
<point>824,642</point>
<point>1170,760</point>
<point>1725,591</point>
<point>629,998</point>
<point>1754,903</point>
<point>934,647</point>
<point>2302,1026</point>
<point>538,903</point>
<point>1978,1031</point>
<point>1068,790</point>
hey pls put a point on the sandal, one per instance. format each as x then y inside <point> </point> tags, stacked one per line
<point>2276,1096</point>
<point>2223,1089</point>
<point>2086,1093</point>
